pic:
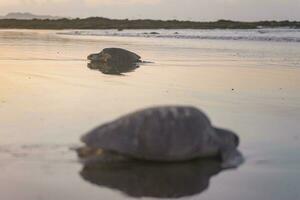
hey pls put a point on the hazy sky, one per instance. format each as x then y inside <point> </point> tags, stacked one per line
<point>164,9</point>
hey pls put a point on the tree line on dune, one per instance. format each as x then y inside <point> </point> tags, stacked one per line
<point>105,23</point>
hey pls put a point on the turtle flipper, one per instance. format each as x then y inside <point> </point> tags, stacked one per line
<point>231,158</point>
<point>89,156</point>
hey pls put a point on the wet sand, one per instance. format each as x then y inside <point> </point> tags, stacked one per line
<point>49,98</point>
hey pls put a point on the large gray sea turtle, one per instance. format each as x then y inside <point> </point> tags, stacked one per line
<point>165,134</point>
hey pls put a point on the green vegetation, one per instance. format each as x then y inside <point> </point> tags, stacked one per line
<point>104,23</point>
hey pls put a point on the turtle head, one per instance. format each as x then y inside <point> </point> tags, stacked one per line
<point>93,57</point>
<point>99,57</point>
<point>230,155</point>
<point>228,138</point>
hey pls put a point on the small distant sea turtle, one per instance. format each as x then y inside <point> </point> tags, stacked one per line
<point>165,134</point>
<point>115,56</point>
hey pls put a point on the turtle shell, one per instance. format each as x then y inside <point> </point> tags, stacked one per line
<point>115,56</point>
<point>167,133</point>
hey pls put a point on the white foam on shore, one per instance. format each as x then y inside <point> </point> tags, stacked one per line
<point>276,35</point>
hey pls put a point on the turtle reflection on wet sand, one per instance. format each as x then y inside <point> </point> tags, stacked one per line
<point>151,179</point>
<point>161,134</point>
<point>106,68</point>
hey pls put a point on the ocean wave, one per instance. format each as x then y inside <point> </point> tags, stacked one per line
<point>275,35</point>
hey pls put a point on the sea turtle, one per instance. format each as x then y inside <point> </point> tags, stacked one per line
<point>165,134</point>
<point>115,56</point>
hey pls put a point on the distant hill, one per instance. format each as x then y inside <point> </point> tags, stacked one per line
<point>27,16</point>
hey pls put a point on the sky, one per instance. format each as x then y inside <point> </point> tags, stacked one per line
<point>199,10</point>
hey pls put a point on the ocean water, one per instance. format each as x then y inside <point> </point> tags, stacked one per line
<point>275,34</point>
<point>49,97</point>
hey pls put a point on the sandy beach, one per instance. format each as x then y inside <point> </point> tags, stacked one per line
<point>49,98</point>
